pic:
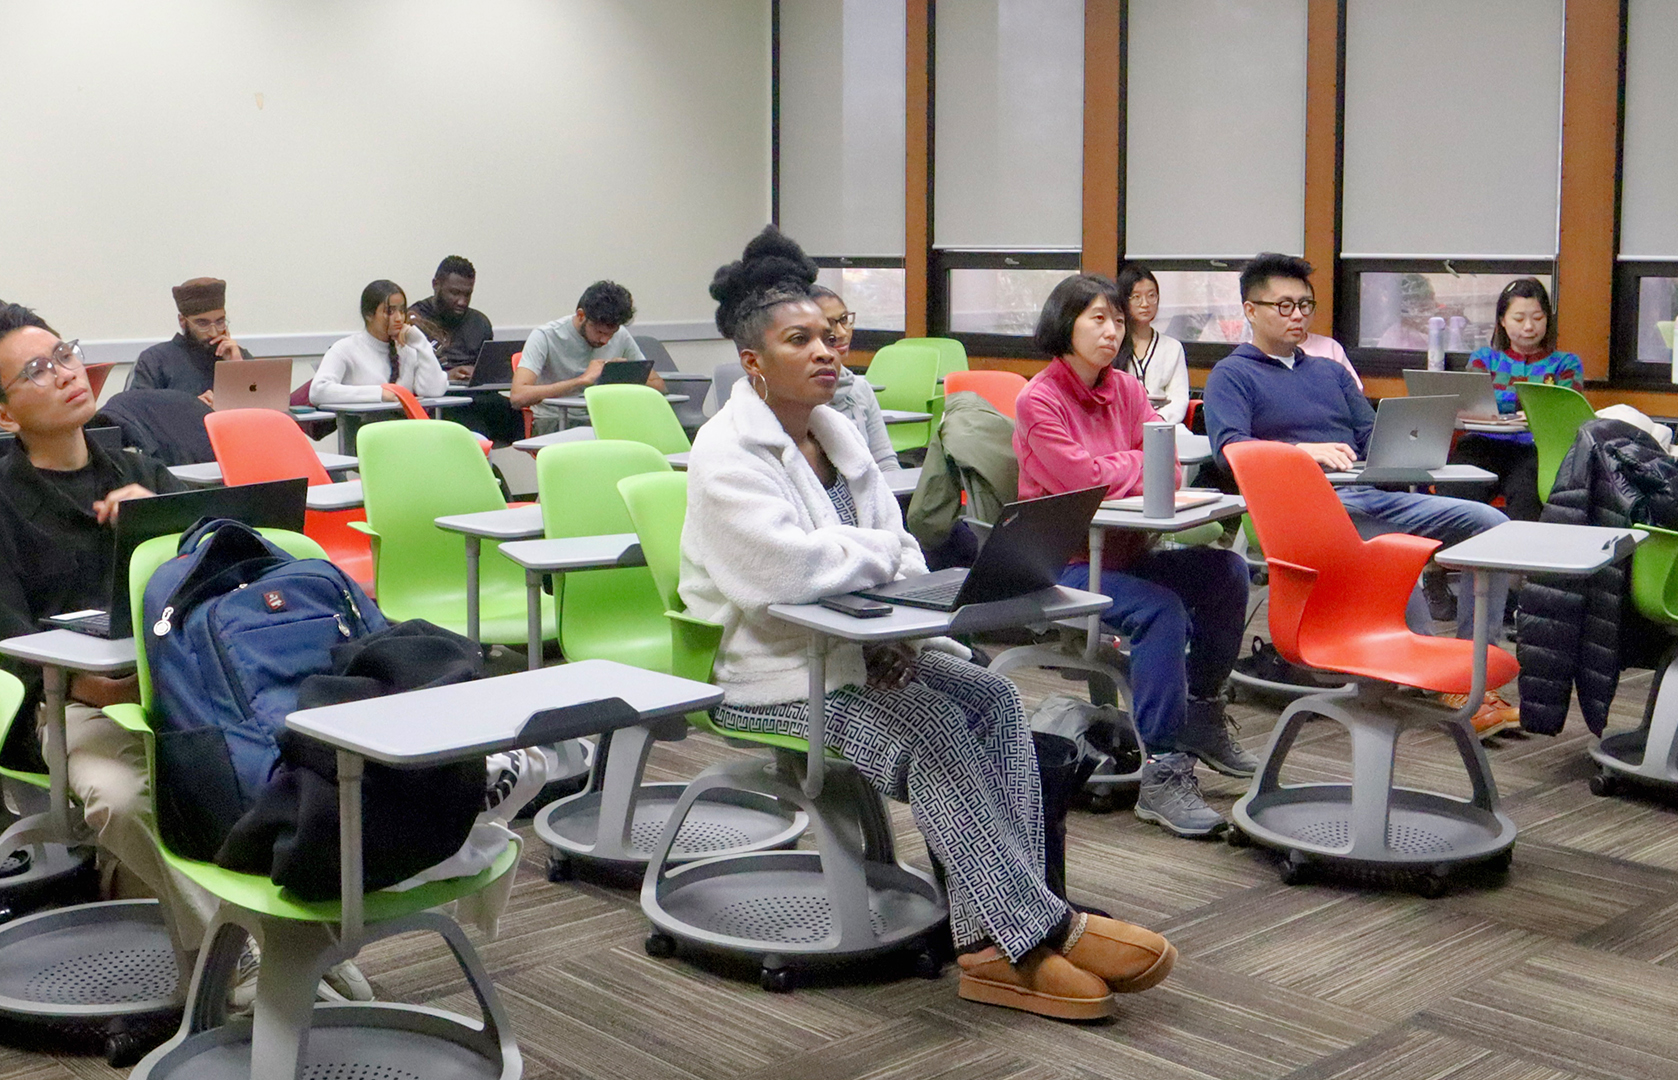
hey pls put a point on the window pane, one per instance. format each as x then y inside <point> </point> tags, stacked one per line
<point>874,293</point>
<point>1657,302</point>
<point>1393,309</point>
<point>1000,301</point>
<point>1201,305</point>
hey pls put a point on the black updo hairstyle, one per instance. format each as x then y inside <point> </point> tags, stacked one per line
<point>773,270</point>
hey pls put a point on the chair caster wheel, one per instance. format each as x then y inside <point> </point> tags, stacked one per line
<point>660,946</point>
<point>776,980</point>
<point>1235,838</point>
<point>928,965</point>
<point>1296,869</point>
<point>125,1046</point>
<point>1433,885</point>
<point>559,868</point>
<point>1501,862</point>
<point>6,914</point>
<point>1603,785</point>
<point>1100,804</point>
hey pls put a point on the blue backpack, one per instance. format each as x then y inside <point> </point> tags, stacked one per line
<point>233,625</point>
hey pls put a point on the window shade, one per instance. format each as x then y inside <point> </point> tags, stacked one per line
<point>1648,210</point>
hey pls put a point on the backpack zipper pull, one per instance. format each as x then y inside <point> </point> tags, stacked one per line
<point>343,627</point>
<point>161,627</point>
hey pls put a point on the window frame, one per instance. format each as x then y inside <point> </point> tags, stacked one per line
<point>1624,370</point>
<point>1348,299</point>
<point>864,340</point>
<point>1007,346</point>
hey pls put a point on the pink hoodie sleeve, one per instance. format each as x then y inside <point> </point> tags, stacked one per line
<point>1058,460</point>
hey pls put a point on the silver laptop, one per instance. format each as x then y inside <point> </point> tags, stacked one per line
<point>253,384</point>
<point>1412,436</point>
<point>1472,389</point>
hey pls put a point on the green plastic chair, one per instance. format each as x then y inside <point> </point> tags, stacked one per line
<point>1665,328</point>
<point>952,356</point>
<point>636,414</point>
<point>299,938</point>
<point>1650,753</point>
<point>612,614</point>
<point>1554,415</point>
<point>848,817</point>
<point>11,698</point>
<point>909,374</point>
<point>411,474</point>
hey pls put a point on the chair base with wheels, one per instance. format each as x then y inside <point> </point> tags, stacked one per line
<point>850,900</point>
<point>1648,757</point>
<point>614,823</point>
<point>1369,824</point>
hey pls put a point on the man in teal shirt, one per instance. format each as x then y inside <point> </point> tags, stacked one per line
<point>563,357</point>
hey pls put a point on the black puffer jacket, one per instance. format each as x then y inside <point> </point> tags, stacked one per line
<point>1582,631</point>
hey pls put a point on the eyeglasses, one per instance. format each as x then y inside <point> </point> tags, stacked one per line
<point>207,325</point>
<point>40,370</point>
<point>846,320</point>
<point>1284,308</point>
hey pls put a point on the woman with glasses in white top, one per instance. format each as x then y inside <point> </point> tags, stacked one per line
<point>854,396</point>
<point>1154,358</point>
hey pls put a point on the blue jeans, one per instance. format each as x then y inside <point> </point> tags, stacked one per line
<point>1437,518</point>
<point>1166,601</point>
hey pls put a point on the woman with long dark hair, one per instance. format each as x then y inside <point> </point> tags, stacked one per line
<point>1155,359</point>
<point>387,350</point>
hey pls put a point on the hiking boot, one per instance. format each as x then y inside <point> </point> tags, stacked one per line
<point>1043,982</point>
<point>1493,715</point>
<point>1441,601</point>
<point>1128,957</point>
<point>1206,733</point>
<point>1170,797</point>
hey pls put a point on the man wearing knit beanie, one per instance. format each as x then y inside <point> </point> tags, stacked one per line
<point>188,360</point>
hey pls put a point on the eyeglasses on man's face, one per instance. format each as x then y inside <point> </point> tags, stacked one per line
<point>42,369</point>
<point>1286,307</point>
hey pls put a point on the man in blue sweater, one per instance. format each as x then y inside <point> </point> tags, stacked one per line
<point>1271,390</point>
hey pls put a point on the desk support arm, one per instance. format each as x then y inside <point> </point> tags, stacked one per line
<point>816,764</point>
<point>350,886</point>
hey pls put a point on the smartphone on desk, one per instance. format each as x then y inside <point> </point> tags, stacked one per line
<point>856,606</point>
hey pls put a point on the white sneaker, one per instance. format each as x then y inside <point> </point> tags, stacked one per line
<point>344,982</point>
<point>515,778</point>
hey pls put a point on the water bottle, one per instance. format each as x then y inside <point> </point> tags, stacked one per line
<point>1456,339</point>
<point>1436,343</point>
<point>1159,469</point>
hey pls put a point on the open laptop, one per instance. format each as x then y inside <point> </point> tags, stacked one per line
<point>1412,437</point>
<point>1473,391</point>
<point>624,371</point>
<point>278,504</point>
<point>494,365</point>
<point>1029,546</point>
<point>253,384</point>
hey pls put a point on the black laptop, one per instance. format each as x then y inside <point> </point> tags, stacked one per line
<point>278,504</point>
<point>494,365</point>
<point>624,371</point>
<point>1029,546</point>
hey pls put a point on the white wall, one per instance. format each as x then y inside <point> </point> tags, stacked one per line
<point>302,149</point>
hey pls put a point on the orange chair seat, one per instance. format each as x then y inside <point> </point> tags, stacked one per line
<point>1445,665</point>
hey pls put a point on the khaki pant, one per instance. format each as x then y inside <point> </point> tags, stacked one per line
<point>107,773</point>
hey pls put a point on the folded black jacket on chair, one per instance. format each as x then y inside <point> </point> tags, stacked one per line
<point>1581,631</point>
<point>410,818</point>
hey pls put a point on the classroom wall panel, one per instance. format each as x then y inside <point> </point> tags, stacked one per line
<point>302,149</point>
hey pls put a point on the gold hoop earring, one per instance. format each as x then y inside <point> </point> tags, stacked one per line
<point>764,392</point>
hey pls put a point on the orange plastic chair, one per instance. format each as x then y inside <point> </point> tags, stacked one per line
<point>1337,604</point>
<point>413,410</point>
<point>1188,417</point>
<point>253,446</point>
<point>1000,388</point>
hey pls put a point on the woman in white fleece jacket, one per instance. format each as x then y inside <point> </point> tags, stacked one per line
<point>388,350</point>
<point>786,505</point>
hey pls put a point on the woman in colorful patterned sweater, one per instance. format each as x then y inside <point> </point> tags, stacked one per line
<point>1523,349</point>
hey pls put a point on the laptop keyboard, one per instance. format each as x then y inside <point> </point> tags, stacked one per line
<point>942,594</point>
<point>98,625</point>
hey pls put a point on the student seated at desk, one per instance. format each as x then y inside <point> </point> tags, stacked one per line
<point>1271,389</point>
<point>1523,349</point>
<point>566,356</point>
<point>1155,359</point>
<point>854,396</point>
<point>188,361</point>
<point>786,505</point>
<point>356,368</point>
<point>1079,424</point>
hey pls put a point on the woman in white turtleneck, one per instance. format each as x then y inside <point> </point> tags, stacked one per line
<point>356,368</point>
<point>853,396</point>
<point>1156,359</point>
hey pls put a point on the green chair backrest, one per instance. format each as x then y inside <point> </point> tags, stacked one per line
<point>909,374</point>
<point>411,474</point>
<point>1554,414</point>
<point>952,355</point>
<point>1654,582</point>
<point>1665,328</point>
<point>612,614</point>
<point>657,503</point>
<point>160,549</point>
<point>11,699</point>
<point>636,414</point>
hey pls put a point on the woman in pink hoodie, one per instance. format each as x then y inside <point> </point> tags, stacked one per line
<point>1080,425</point>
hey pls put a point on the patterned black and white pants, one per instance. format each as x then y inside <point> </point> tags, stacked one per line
<point>955,744</point>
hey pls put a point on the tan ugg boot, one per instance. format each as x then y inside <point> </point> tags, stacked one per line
<point>1128,957</point>
<point>1043,982</point>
